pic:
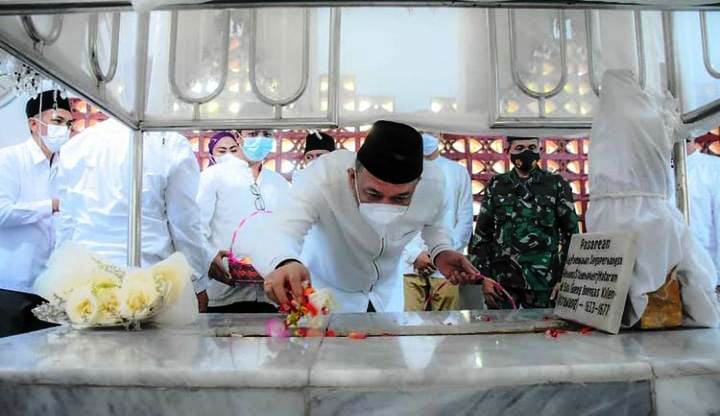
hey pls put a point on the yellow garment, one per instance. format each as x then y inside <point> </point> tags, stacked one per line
<point>664,308</point>
<point>418,289</point>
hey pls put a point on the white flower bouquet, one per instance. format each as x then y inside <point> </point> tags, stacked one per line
<point>84,291</point>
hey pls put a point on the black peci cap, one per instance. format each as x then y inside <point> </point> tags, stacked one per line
<point>46,100</point>
<point>392,152</point>
<point>319,141</point>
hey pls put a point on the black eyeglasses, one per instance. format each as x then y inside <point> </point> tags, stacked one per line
<point>259,202</point>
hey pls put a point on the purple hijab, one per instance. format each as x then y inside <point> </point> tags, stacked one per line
<point>215,139</point>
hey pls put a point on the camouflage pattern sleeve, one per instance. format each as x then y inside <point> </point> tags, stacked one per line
<point>567,221</point>
<point>481,243</point>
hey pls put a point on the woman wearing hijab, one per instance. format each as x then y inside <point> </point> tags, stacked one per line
<point>231,191</point>
<point>221,144</point>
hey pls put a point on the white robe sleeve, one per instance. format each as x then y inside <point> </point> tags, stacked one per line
<point>183,216</point>
<point>64,222</point>
<point>207,201</point>
<point>412,251</point>
<point>435,235</point>
<point>18,213</point>
<point>463,229</point>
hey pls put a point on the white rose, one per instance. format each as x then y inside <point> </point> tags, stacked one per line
<point>172,275</point>
<point>81,306</point>
<point>108,305</point>
<point>138,296</point>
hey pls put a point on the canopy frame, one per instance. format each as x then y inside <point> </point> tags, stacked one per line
<point>278,104</point>
<point>590,46</point>
<point>172,64</point>
<point>102,77</point>
<point>28,7</point>
<point>136,119</point>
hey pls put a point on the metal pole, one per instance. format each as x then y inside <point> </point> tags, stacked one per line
<point>239,123</point>
<point>134,247</point>
<point>589,29</point>
<point>640,46</point>
<point>333,110</point>
<point>705,49</point>
<point>681,185</point>
<point>669,37</point>
<point>134,241</point>
<point>701,113</point>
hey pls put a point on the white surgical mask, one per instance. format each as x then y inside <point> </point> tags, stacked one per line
<point>56,136</point>
<point>379,215</point>
<point>226,158</point>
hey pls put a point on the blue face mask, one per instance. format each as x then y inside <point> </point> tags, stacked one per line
<point>257,148</point>
<point>430,144</point>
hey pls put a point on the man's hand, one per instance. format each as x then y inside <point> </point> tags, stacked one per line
<point>424,265</point>
<point>286,278</point>
<point>456,267</point>
<point>217,269</point>
<point>493,294</point>
<point>55,205</point>
<point>203,300</point>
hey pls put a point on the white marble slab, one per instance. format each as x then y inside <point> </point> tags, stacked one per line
<point>48,400</point>
<point>155,358</point>
<point>225,325</point>
<point>478,360</point>
<point>47,371</point>
<point>446,323</point>
<point>622,398</point>
<point>698,395</point>
<point>676,352</point>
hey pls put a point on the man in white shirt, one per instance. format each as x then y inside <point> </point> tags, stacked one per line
<point>255,147</point>
<point>703,172</point>
<point>425,287</point>
<point>94,187</point>
<point>27,204</point>
<point>229,193</point>
<point>366,208</point>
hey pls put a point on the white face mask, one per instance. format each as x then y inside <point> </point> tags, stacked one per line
<point>226,158</point>
<point>56,136</point>
<point>379,215</point>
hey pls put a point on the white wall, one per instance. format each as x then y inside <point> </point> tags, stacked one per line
<point>13,123</point>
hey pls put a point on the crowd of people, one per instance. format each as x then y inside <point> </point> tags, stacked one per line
<point>388,228</point>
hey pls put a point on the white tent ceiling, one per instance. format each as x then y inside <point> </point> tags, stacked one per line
<point>439,68</point>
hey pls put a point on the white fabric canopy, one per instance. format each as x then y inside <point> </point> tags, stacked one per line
<point>630,147</point>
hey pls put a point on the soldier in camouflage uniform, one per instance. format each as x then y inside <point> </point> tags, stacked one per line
<point>523,230</point>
